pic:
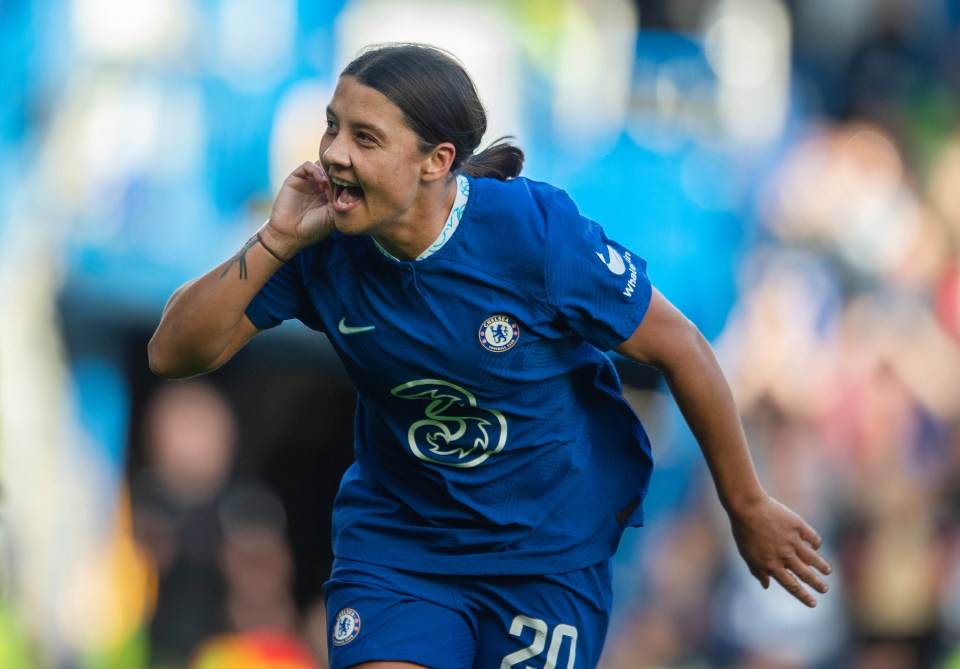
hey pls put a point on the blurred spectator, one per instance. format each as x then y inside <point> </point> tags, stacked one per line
<point>190,437</point>
<point>219,544</point>
<point>257,562</point>
<point>265,627</point>
<point>894,545</point>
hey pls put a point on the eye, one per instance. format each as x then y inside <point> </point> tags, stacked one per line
<point>331,127</point>
<point>365,138</point>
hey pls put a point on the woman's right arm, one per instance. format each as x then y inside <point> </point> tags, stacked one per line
<point>204,323</point>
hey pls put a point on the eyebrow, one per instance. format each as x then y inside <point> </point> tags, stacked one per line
<point>360,125</point>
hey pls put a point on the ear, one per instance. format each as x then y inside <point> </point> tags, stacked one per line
<point>436,164</point>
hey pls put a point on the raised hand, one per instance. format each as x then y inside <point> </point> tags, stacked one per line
<point>776,543</point>
<point>301,213</point>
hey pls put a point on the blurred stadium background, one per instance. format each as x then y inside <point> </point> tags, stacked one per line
<point>790,169</point>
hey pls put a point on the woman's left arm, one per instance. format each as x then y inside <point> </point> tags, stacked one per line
<point>773,540</point>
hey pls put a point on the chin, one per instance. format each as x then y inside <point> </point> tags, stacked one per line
<point>345,226</point>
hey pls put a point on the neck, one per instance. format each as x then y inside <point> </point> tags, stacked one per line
<point>421,225</point>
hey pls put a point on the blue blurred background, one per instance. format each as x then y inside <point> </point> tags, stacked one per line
<point>789,169</point>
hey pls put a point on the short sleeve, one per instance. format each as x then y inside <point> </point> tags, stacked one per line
<point>283,297</point>
<point>599,287</point>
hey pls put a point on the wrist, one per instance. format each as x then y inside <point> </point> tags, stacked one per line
<point>743,501</point>
<point>279,245</point>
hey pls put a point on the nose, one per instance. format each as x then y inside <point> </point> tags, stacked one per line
<point>333,152</point>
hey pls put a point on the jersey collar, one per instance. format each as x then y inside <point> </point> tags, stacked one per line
<point>453,221</point>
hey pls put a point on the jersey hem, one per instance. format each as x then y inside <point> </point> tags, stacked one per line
<point>480,564</point>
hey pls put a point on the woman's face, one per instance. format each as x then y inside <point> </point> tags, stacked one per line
<point>373,160</point>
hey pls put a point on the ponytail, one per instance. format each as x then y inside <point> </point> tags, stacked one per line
<point>501,160</point>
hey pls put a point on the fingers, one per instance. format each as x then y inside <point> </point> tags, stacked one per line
<point>311,180</point>
<point>762,577</point>
<point>790,583</point>
<point>814,559</point>
<point>809,575</point>
<point>804,568</point>
<point>320,176</point>
<point>810,535</point>
<point>316,171</point>
<point>800,567</point>
<point>790,580</point>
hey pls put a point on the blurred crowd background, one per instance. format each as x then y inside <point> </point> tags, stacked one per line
<point>789,169</point>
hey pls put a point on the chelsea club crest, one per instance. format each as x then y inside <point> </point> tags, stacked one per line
<point>346,628</point>
<point>499,333</point>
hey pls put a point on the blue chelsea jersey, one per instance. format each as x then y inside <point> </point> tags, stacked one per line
<point>491,435</point>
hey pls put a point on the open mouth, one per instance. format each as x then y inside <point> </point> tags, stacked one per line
<point>345,194</point>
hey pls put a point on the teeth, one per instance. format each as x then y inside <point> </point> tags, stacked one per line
<point>341,182</point>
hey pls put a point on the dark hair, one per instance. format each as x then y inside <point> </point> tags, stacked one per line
<point>439,102</point>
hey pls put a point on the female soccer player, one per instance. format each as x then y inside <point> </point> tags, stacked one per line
<point>497,462</point>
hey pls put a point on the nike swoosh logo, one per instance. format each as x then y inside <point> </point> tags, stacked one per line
<point>615,264</point>
<point>349,330</point>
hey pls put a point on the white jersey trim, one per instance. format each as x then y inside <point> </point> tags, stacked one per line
<point>453,222</point>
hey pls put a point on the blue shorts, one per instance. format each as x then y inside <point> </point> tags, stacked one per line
<point>458,622</point>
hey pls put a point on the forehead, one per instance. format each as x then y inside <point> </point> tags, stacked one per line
<point>354,102</point>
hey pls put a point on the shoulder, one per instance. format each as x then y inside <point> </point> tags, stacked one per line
<point>525,205</point>
<point>517,194</point>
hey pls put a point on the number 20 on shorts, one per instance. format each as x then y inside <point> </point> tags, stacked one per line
<point>540,632</point>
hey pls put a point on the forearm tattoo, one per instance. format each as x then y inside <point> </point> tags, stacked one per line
<point>240,259</point>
